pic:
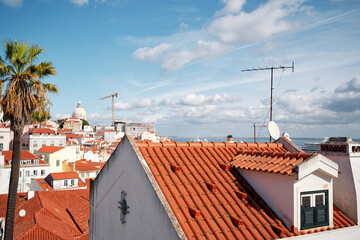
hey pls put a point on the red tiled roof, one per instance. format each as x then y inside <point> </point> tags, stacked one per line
<point>72,135</point>
<point>25,155</point>
<point>43,184</point>
<point>272,162</point>
<point>42,130</point>
<point>83,166</point>
<point>51,215</point>
<point>99,133</point>
<point>49,149</point>
<point>64,175</point>
<point>209,199</point>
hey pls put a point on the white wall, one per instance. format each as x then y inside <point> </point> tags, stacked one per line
<point>147,219</point>
<point>347,185</point>
<point>276,190</point>
<point>43,140</point>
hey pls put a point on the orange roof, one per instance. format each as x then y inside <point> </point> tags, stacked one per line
<point>25,155</point>
<point>209,199</point>
<point>272,162</point>
<point>83,166</point>
<point>72,135</point>
<point>64,175</point>
<point>51,215</point>
<point>42,130</point>
<point>49,149</point>
<point>99,133</point>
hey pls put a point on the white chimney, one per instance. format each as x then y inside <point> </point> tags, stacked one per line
<point>346,154</point>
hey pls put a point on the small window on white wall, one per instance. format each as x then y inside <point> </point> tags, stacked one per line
<point>57,163</point>
<point>314,209</point>
<point>65,183</point>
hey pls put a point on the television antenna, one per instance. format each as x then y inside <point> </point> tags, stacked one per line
<point>272,81</point>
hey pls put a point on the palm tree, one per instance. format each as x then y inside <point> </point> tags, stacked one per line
<point>24,93</point>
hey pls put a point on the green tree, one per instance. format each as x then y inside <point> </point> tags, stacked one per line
<point>40,117</point>
<point>21,93</point>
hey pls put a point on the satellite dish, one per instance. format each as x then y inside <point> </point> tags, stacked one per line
<point>274,130</point>
<point>22,213</point>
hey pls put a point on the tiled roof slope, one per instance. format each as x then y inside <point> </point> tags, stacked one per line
<point>49,149</point>
<point>272,162</point>
<point>83,165</point>
<point>209,199</point>
<point>51,215</point>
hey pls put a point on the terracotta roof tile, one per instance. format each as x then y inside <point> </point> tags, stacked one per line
<point>64,175</point>
<point>51,215</point>
<point>266,161</point>
<point>83,166</point>
<point>209,199</point>
<point>49,149</point>
<point>42,130</point>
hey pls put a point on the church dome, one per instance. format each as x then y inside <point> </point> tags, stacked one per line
<point>79,112</point>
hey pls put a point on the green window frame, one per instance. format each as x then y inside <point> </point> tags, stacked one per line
<point>314,209</point>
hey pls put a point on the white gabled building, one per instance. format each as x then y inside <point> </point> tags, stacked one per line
<point>31,167</point>
<point>6,137</point>
<point>39,137</point>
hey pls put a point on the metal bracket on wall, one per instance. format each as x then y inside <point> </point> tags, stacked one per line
<point>123,207</point>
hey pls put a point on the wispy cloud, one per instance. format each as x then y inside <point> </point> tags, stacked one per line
<point>12,3</point>
<point>79,2</point>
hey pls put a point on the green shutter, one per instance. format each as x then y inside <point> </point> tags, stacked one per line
<point>312,217</point>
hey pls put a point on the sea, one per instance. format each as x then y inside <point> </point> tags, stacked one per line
<point>297,141</point>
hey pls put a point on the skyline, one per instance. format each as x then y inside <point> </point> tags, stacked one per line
<point>178,63</point>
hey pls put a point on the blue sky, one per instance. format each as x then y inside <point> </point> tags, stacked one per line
<point>178,63</point>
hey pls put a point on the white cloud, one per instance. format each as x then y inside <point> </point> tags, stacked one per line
<point>231,6</point>
<point>60,116</point>
<point>197,100</point>
<point>148,54</point>
<point>12,3</point>
<point>174,60</point>
<point>80,2</point>
<point>352,86</point>
<point>122,106</point>
<point>268,19</point>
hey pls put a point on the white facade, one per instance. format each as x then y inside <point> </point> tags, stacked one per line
<point>6,136</point>
<point>149,218</point>
<point>110,136</point>
<point>146,135</point>
<point>283,193</point>
<point>346,154</point>
<point>27,173</point>
<point>35,142</point>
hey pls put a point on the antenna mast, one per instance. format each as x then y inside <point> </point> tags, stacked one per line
<point>272,81</point>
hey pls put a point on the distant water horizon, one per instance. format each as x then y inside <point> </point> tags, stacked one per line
<point>297,141</point>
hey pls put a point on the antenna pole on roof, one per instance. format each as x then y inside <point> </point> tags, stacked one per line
<point>272,80</point>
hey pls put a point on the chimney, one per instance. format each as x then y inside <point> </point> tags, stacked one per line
<point>346,154</point>
<point>230,139</point>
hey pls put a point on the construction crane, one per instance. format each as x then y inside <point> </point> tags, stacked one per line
<point>112,96</point>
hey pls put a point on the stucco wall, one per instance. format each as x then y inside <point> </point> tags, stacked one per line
<point>346,186</point>
<point>147,219</point>
<point>276,190</point>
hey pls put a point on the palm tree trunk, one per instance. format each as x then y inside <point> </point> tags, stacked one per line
<point>14,179</point>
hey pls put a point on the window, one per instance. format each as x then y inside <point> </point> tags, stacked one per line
<point>77,150</point>
<point>314,209</point>
<point>57,163</point>
<point>52,143</point>
<point>27,174</point>
<point>72,182</point>
<point>87,175</point>
<point>35,144</point>
<point>1,146</point>
<point>65,183</point>
<point>42,172</point>
<point>20,173</point>
<point>1,137</point>
<point>35,173</point>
